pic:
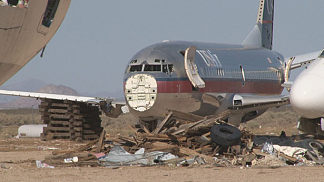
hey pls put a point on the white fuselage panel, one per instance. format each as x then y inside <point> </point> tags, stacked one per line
<point>307,92</point>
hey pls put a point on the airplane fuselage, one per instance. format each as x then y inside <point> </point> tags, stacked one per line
<point>156,81</point>
<point>306,94</point>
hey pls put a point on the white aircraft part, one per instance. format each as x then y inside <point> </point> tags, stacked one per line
<point>124,109</point>
<point>191,68</point>
<point>247,100</point>
<point>307,91</point>
<point>51,96</point>
<point>141,91</point>
<point>322,124</point>
<point>30,131</point>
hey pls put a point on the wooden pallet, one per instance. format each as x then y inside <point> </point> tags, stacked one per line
<point>70,120</point>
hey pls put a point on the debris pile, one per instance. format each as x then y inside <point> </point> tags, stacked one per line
<point>184,140</point>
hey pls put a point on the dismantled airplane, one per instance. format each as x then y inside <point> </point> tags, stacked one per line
<point>204,79</point>
<point>27,32</point>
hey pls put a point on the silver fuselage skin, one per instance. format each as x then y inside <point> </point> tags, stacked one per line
<point>219,65</point>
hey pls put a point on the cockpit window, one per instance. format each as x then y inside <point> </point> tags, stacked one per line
<point>164,67</point>
<point>135,68</point>
<point>167,68</point>
<point>149,67</point>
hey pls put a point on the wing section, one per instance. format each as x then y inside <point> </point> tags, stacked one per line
<point>247,107</point>
<point>303,60</point>
<point>110,107</point>
<point>52,96</point>
<point>299,61</point>
<point>241,101</point>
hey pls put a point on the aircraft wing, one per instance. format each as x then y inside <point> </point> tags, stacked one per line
<point>245,107</point>
<point>298,62</point>
<point>303,60</point>
<point>110,107</point>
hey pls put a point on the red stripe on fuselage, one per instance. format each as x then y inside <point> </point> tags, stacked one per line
<point>267,21</point>
<point>219,86</point>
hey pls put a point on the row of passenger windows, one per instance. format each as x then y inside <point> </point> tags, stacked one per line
<point>166,68</point>
<point>235,73</point>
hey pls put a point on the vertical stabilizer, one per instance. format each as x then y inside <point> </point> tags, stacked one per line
<point>262,33</point>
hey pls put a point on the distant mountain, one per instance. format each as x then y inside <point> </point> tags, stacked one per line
<point>58,89</point>
<point>26,85</point>
<point>23,102</point>
<point>29,85</point>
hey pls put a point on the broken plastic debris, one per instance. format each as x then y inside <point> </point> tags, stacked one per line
<point>291,151</point>
<point>46,148</point>
<point>118,156</point>
<point>39,164</point>
<point>99,155</point>
<point>70,160</point>
<point>268,148</point>
<point>196,160</point>
<point>125,109</point>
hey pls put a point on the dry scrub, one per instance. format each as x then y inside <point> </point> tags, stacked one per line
<point>271,122</point>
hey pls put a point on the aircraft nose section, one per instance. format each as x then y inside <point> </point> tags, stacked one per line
<point>141,92</point>
<point>307,96</point>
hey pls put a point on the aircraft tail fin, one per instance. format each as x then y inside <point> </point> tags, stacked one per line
<point>262,33</point>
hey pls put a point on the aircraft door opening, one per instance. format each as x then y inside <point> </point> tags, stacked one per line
<point>191,68</point>
<point>48,16</point>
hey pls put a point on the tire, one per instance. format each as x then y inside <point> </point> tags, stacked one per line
<point>225,135</point>
<point>311,144</point>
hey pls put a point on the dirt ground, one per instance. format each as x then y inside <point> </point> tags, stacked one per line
<point>17,158</point>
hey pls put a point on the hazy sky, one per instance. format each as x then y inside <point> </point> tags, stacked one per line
<point>97,38</point>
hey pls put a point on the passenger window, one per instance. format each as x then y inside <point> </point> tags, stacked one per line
<point>50,12</point>
<point>135,68</point>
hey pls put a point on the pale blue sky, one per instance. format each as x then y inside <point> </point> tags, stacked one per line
<point>97,38</point>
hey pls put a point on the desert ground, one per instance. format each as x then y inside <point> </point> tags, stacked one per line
<point>17,156</point>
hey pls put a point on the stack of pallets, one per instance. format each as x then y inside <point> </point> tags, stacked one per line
<point>70,120</point>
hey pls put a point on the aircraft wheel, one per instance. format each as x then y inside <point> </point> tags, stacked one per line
<point>225,135</point>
